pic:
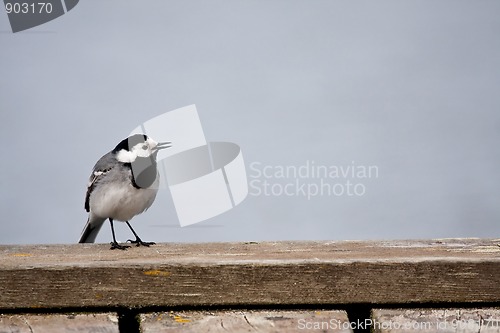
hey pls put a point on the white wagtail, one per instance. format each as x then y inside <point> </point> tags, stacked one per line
<point>122,185</point>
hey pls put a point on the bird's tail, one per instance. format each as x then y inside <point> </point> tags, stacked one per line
<point>91,229</point>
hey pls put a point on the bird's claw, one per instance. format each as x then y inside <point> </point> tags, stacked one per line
<point>139,242</point>
<point>115,245</point>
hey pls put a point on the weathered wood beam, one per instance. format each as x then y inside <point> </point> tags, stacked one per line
<point>435,320</point>
<point>250,274</point>
<point>246,321</point>
<point>59,323</point>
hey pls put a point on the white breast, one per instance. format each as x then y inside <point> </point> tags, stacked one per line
<point>121,201</point>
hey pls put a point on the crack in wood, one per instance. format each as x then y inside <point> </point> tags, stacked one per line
<point>248,322</point>
<point>28,324</point>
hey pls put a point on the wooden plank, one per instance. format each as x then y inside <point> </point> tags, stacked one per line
<point>241,274</point>
<point>246,321</point>
<point>436,320</point>
<point>91,323</point>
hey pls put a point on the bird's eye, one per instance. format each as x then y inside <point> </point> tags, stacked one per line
<point>145,147</point>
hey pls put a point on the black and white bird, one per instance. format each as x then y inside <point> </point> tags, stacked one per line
<point>123,184</point>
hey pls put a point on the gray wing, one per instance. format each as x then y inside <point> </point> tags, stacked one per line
<point>103,166</point>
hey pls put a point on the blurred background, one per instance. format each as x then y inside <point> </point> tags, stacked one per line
<point>408,87</point>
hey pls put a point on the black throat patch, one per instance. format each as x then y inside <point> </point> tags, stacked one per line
<point>144,171</point>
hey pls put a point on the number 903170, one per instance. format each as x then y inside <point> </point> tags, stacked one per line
<point>28,8</point>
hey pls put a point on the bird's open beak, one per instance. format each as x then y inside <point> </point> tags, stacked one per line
<point>163,145</point>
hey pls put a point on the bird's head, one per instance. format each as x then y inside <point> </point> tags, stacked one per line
<point>138,145</point>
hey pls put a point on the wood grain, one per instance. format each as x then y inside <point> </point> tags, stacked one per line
<point>436,320</point>
<point>246,321</point>
<point>91,323</point>
<point>241,274</point>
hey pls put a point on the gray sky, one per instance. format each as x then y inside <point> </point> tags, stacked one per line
<point>410,87</point>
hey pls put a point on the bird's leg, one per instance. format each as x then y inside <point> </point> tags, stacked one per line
<point>138,241</point>
<point>114,243</point>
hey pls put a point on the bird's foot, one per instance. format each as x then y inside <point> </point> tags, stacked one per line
<point>139,242</point>
<point>115,245</point>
